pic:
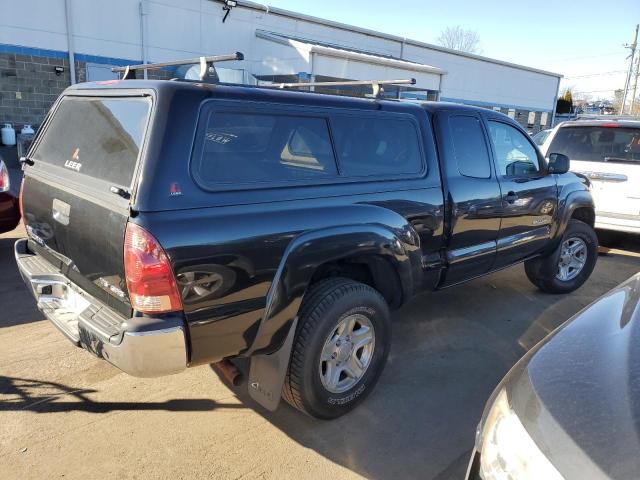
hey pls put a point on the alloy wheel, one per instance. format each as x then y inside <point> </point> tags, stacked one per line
<point>347,353</point>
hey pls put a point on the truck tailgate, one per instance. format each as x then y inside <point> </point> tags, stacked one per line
<point>75,195</point>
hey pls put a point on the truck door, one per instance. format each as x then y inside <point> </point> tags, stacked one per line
<point>473,195</point>
<point>529,194</point>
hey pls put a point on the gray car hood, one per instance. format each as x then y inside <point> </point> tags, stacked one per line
<point>578,392</point>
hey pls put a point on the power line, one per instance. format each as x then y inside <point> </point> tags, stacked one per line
<point>588,75</point>
<point>597,91</point>
<point>612,54</point>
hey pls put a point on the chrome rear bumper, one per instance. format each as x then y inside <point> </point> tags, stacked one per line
<point>139,346</point>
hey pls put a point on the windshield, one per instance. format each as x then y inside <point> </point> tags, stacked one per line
<point>99,137</point>
<point>598,144</point>
<point>540,137</point>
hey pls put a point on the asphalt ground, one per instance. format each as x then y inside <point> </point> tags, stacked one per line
<point>66,414</point>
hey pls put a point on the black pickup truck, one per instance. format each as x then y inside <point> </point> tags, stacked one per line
<point>172,224</point>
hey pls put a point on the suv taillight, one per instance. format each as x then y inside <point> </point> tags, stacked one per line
<point>4,177</point>
<point>150,281</point>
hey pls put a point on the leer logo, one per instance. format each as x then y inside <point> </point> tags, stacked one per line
<point>174,190</point>
<point>73,164</point>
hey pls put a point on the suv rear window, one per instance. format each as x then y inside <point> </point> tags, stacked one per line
<point>254,147</point>
<point>598,144</point>
<point>99,137</point>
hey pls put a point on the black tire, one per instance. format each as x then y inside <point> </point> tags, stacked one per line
<point>325,306</point>
<point>542,271</point>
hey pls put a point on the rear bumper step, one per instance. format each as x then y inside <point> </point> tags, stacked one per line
<point>139,346</point>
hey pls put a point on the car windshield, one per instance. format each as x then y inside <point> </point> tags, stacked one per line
<point>598,144</point>
<point>540,137</point>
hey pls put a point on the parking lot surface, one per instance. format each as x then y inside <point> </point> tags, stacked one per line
<point>64,413</point>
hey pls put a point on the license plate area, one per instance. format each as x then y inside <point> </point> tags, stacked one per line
<point>61,303</point>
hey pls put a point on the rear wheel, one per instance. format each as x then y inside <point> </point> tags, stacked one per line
<point>570,264</point>
<point>340,349</point>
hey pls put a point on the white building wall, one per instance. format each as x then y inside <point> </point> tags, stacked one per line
<point>479,81</point>
<point>34,23</point>
<point>182,28</point>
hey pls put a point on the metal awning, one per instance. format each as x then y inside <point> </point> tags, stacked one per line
<point>342,62</point>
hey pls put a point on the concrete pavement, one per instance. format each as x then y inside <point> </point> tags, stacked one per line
<point>63,413</point>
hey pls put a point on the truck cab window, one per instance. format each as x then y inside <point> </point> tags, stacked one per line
<point>379,145</point>
<point>469,146</point>
<point>515,155</point>
<point>264,147</point>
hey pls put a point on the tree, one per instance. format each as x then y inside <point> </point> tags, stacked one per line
<point>457,38</point>
<point>564,104</point>
<point>582,97</point>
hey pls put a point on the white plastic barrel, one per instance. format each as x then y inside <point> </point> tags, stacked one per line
<point>8,135</point>
<point>27,130</point>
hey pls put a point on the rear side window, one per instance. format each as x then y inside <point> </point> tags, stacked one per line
<point>472,156</point>
<point>254,147</point>
<point>598,144</point>
<point>99,137</point>
<point>376,145</point>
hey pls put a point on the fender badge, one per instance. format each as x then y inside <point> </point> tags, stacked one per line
<point>174,190</point>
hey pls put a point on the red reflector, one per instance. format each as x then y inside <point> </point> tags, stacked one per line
<point>610,125</point>
<point>150,281</point>
<point>4,177</point>
<point>20,202</point>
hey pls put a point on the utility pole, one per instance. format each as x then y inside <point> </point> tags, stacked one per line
<point>632,47</point>
<point>635,85</point>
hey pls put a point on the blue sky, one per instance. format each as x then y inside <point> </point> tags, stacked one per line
<point>575,38</point>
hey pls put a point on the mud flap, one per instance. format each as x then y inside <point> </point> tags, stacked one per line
<point>267,372</point>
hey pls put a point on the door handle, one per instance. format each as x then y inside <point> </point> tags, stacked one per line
<point>511,197</point>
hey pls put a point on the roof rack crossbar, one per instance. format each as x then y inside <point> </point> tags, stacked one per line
<point>202,61</point>
<point>339,83</point>
<point>375,84</point>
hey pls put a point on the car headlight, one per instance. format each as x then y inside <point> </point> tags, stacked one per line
<point>507,452</point>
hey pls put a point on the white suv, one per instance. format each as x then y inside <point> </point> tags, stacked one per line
<point>608,153</point>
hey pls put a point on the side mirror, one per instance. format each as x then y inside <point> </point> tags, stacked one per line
<point>558,163</point>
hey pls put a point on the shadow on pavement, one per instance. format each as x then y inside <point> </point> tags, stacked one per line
<point>619,241</point>
<point>420,421</point>
<point>17,306</point>
<point>450,349</point>
<point>25,394</point>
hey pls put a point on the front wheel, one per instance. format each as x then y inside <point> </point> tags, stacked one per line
<point>570,264</point>
<point>340,349</point>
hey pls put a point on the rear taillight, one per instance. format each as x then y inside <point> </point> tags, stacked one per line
<point>4,177</point>
<point>150,281</point>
